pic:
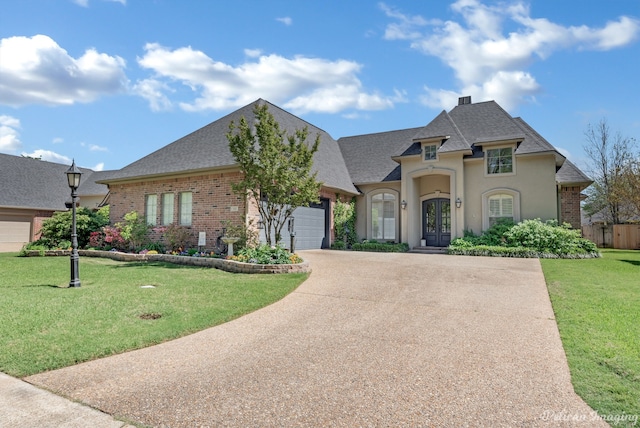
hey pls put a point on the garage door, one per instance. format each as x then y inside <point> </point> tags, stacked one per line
<point>310,226</point>
<point>14,234</point>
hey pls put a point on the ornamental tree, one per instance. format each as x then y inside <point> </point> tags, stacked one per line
<point>276,168</point>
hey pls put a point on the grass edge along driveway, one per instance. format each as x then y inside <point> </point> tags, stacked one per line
<point>597,308</point>
<point>44,325</point>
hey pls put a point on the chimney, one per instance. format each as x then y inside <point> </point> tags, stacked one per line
<point>464,100</point>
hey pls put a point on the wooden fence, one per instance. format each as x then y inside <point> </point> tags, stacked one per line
<point>620,236</point>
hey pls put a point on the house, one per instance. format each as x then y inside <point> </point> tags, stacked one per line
<point>465,170</point>
<point>188,183</point>
<point>32,190</point>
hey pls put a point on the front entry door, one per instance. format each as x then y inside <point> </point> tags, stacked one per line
<point>436,222</point>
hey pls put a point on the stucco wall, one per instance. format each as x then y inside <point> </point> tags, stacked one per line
<point>534,180</point>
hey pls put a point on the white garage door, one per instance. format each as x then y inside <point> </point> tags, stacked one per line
<point>309,227</point>
<point>14,234</point>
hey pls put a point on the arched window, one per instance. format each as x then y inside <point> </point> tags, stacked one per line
<point>383,216</point>
<point>498,204</point>
<point>500,208</point>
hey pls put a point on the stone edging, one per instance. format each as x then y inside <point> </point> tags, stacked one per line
<point>226,265</point>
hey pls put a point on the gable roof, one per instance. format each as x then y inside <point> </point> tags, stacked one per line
<point>369,157</point>
<point>569,174</point>
<point>35,184</point>
<point>208,148</point>
<point>464,129</point>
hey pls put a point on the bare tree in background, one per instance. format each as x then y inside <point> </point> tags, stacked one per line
<point>610,158</point>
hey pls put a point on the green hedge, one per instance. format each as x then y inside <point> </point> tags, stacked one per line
<point>380,247</point>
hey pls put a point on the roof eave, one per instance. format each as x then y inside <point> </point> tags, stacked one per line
<point>184,173</point>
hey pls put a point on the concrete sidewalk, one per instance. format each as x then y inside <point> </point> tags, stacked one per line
<point>369,340</point>
<point>24,405</point>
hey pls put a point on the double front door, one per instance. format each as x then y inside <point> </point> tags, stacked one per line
<point>436,222</point>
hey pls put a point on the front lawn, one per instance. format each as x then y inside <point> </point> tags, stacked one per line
<point>597,307</point>
<point>44,325</point>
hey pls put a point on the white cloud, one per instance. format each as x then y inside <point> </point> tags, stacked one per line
<point>49,156</point>
<point>301,83</point>
<point>285,20</point>
<point>96,148</point>
<point>57,140</point>
<point>9,135</point>
<point>35,70</point>
<point>98,167</point>
<point>253,53</point>
<point>490,63</point>
<point>152,91</point>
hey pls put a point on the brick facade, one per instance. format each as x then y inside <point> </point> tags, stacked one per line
<point>213,201</point>
<point>570,206</point>
<point>38,218</point>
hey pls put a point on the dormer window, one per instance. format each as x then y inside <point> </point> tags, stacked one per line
<point>431,152</point>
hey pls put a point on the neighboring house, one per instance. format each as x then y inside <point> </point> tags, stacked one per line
<point>32,190</point>
<point>465,170</point>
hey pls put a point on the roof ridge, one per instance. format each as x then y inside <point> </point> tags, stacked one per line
<point>381,132</point>
<point>455,127</point>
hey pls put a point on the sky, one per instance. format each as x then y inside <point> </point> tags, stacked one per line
<point>106,82</point>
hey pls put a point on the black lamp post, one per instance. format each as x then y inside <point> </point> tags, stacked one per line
<point>73,178</point>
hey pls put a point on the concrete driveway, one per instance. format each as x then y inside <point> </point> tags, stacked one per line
<point>369,340</point>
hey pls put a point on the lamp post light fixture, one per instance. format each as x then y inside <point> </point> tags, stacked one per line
<point>403,204</point>
<point>458,203</point>
<point>73,179</point>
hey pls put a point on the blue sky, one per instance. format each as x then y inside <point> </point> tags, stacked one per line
<point>109,81</point>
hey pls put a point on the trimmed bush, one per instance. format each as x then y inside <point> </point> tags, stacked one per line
<point>381,247</point>
<point>529,238</point>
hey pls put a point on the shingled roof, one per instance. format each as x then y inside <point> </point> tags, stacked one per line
<point>465,128</point>
<point>35,184</point>
<point>369,157</point>
<point>208,148</point>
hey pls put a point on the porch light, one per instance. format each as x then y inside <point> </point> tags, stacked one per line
<point>73,179</point>
<point>458,203</point>
<point>403,204</point>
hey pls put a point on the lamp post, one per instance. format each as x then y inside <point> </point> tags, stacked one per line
<point>73,178</point>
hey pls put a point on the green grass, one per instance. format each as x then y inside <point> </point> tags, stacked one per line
<point>45,325</point>
<point>597,307</point>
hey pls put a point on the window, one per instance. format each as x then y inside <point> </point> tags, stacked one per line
<point>167,208</point>
<point>185,208</point>
<point>500,161</point>
<point>500,207</point>
<point>431,152</point>
<point>151,209</point>
<point>383,216</point>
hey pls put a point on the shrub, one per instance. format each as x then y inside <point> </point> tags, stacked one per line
<point>548,237</point>
<point>266,255</point>
<point>381,247</point>
<point>338,245</point>
<point>529,238</point>
<point>134,230</point>
<point>113,238</point>
<point>175,236</point>
<point>57,228</point>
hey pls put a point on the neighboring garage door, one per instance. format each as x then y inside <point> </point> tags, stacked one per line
<point>311,226</point>
<point>14,234</point>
